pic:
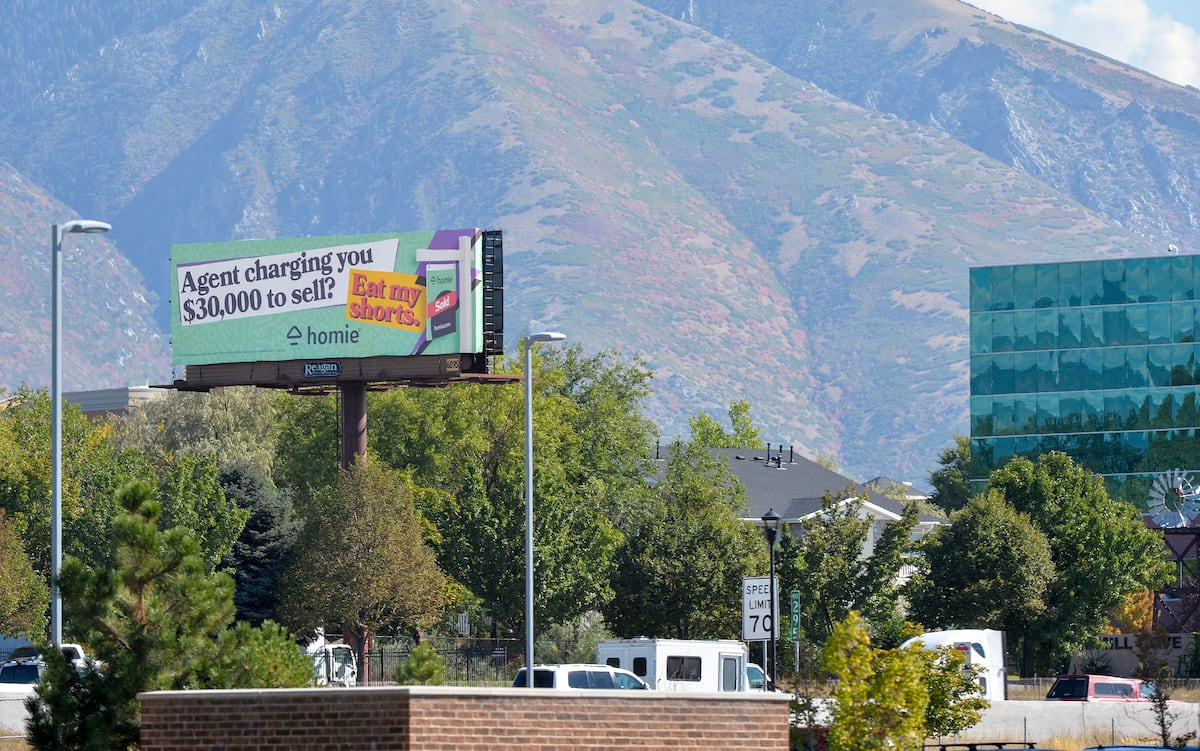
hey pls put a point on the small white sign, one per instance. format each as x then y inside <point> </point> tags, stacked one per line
<point>757,623</point>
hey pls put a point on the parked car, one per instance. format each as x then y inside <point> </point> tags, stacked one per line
<point>27,670</point>
<point>757,678</point>
<point>580,676</point>
<point>24,667</point>
<point>72,652</point>
<point>1099,688</point>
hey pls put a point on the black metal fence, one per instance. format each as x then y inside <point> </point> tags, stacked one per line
<point>468,662</point>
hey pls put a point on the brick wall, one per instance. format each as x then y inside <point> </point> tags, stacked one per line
<point>441,718</point>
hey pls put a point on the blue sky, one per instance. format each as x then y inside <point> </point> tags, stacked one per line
<point>1158,36</point>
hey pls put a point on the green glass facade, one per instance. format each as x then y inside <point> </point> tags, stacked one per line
<point>1099,359</point>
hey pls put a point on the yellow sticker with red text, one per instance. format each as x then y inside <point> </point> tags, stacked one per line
<point>386,298</point>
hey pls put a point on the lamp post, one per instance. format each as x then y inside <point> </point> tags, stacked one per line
<point>770,522</point>
<point>56,233</point>
<point>532,339</point>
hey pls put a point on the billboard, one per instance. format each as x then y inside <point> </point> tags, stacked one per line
<point>327,298</point>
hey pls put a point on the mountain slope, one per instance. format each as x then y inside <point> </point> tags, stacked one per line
<point>1118,140</point>
<point>663,192</point>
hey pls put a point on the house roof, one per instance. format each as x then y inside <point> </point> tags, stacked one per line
<point>795,486</point>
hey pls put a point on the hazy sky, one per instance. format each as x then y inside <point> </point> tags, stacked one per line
<point>1159,36</point>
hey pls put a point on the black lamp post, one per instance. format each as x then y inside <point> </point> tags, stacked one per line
<point>770,522</point>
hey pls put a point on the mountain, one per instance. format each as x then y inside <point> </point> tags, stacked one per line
<point>771,205</point>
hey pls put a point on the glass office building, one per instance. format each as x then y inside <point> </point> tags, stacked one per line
<point>1099,359</point>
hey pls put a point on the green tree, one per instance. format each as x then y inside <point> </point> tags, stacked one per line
<point>310,457</point>
<point>1102,552</point>
<point>24,596</point>
<point>157,620</point>
<point>950,485</point>
<point>685,553</point>
<point>423,666</point>
<point>261,552</point>
<point>880,700</point>
<point>591,454</point>
<point>955,700</point>
<point>825,562</point>
<point>93,471</point>
<point>191,496</point>
<point>235,424</point>
<point>742,434</point>
<point>989,568</point>
<point>361,562</point>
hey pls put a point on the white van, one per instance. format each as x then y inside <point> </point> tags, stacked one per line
<point>716,665</point>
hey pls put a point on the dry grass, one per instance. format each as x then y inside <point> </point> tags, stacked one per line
<point>13,744</point>
<point>1086,740</point>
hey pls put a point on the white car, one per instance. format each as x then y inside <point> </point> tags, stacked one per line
<point>580,676</point>
<point>18,677</point>
<point>757,679</point>
<point>24,666</point>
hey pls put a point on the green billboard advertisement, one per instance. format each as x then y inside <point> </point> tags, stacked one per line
<point>414,293</point>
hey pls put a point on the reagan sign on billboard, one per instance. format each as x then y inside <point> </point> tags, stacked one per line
<point>319,298</point>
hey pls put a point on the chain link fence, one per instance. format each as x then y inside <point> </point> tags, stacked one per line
<point>12,717</point>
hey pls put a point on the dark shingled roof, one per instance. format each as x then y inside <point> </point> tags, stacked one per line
<point>792,485</point>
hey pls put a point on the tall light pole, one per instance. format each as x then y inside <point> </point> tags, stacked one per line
<point>770,522</point>
<point>56,233</point>
<point>532,339</point>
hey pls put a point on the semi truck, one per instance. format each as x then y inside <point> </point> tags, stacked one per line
<point>982,647</point>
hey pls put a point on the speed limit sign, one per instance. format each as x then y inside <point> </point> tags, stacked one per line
<point>757,608</point>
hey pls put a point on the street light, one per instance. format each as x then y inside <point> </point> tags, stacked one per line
<point>770,522</point>
<point>532,339</point>
<point>56,233</point>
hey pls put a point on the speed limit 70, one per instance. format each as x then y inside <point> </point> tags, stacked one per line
<point>757,609</point>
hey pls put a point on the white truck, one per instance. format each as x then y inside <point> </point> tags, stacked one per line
<point>680,664</point>
<point>983,647</point>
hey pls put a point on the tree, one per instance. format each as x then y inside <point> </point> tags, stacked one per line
<point>895,698</point>
<point>361,562</point>
<point>424,666</point>
<point>955,700</point>
<point>1102,552</point>
<point>742,433</point>
<point>158,620</point>
<point>24,596</point>
<point>685,553</point>
<point>261,552</point>
<point>826,564</point>
<point>192,497</point>
<point>93,471</point>
<point>950,485</point>
<point>310,458</point>
<point>235,424</point>
<point>880,700</point>
<point>989,568</point>
<point>592,452</point>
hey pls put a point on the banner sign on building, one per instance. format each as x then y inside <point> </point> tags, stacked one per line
<point>326,298</point>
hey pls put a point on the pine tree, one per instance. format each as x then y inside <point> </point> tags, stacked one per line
<point>157,620</point>
<point>261,552</point>
<point>423,666</point>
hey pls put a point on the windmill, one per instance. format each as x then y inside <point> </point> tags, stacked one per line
<point>1174,500</point>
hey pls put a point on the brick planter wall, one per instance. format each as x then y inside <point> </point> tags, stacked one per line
<point>442,718</point>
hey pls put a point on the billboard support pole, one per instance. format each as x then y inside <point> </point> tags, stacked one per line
<point>354,422</point>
